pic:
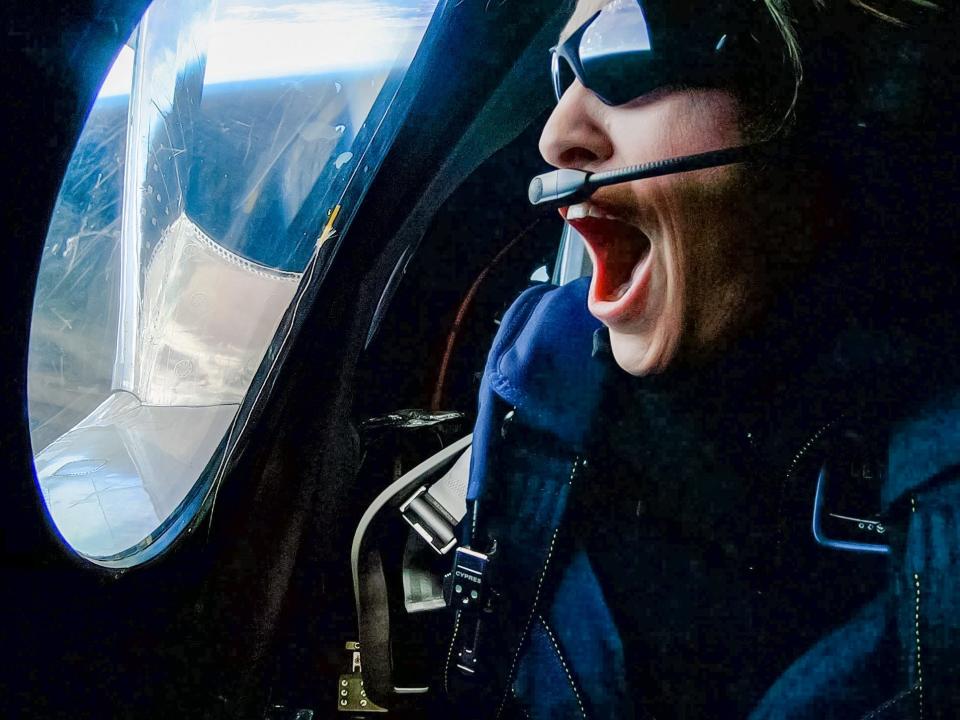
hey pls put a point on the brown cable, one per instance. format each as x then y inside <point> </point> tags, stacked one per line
<point>435,402</point>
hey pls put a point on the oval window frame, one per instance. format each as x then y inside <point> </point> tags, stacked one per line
<point>374,140</point>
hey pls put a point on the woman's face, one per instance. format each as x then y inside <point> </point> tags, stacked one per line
<point>678,266</point>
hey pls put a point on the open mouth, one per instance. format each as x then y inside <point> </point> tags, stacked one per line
<point>620,252</point>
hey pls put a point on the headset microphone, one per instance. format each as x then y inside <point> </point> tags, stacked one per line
<point>566,187</point>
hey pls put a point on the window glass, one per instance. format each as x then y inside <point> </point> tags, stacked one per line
<point>572,261</point>
<point>205,179</point>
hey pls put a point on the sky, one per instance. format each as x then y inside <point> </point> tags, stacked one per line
<point>277,38</point>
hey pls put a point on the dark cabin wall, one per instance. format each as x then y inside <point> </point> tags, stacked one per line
<point>194,633</point>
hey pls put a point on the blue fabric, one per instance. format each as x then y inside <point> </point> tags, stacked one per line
<point>923,447</point>
<point>584,629</point>
<point>845,675</point>
<point>571,660</point>
<point>541,678</point>
<point>521,510</point>
<point>929,585</point>
<point>540,364</point>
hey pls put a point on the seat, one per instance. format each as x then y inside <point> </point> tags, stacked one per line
<point>398,572</point>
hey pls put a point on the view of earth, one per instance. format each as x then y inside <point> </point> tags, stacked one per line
<point>286,89</point>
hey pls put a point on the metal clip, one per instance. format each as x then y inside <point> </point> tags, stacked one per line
<point>430,520</point>
<point>465,589</point>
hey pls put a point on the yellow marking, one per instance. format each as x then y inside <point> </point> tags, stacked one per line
<point>328,231</point>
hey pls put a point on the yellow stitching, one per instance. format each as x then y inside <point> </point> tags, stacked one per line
<point>889,703</point>
<point>453,641</point>
<point>563,662</point>
<point>916,585</point>
<point>516,699</point>
<point>536,600</point>
<point>526,628</point>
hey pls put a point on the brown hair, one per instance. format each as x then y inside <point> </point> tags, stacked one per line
<point>786,23</point>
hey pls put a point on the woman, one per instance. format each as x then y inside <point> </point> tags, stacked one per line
<point>726,491</point>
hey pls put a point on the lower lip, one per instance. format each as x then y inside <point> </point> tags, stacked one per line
<point>634,301</point>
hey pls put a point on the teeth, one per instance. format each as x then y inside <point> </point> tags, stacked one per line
<point>586,209</point>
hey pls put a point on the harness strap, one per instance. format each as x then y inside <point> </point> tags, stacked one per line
<point>929,599</point>
<point>923,488</point>
<point>433,511</point>
<point>523,512</point>
<point>537,400</point>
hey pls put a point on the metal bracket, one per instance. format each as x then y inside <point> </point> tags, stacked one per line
<point>351,697</point>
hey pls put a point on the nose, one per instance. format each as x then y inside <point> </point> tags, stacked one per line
<point>574,136</point>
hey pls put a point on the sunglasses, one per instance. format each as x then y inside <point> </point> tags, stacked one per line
<point>622,52</point>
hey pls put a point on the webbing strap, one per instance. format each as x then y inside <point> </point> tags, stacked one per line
<point>930,599</point>
<point>521,517</point>
<point>435,510</point>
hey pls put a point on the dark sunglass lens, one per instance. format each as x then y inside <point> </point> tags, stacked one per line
<point>618,79</point>
<point>616,53</point>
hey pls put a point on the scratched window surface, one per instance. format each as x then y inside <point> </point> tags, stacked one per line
<point>202,184</point>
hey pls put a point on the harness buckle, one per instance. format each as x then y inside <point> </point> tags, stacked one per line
<point>434,524</point>
<point>465,589</point>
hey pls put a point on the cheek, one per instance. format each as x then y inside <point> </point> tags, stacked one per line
<point>673,249</point>
<point>721,260</point>
<point>708,268</point>
<point>700,277</point>
<point>678,123</point>
<point>710,119</point>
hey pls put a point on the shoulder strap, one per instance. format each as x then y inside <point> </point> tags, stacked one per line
<point>924,484</point>
<point>540,366</point>
<point>928,592</point>
<point>538,397</point>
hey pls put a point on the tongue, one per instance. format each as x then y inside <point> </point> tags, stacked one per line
<point>623,287</point>
<point>619,249</point>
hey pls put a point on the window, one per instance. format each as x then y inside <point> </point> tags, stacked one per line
<point>572,261</point>
<point>205,179</point>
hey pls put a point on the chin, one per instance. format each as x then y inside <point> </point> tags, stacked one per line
<point>646,353</point>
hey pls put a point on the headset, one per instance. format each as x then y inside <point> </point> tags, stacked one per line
<point>565,187</point>
<point>630,47</point>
